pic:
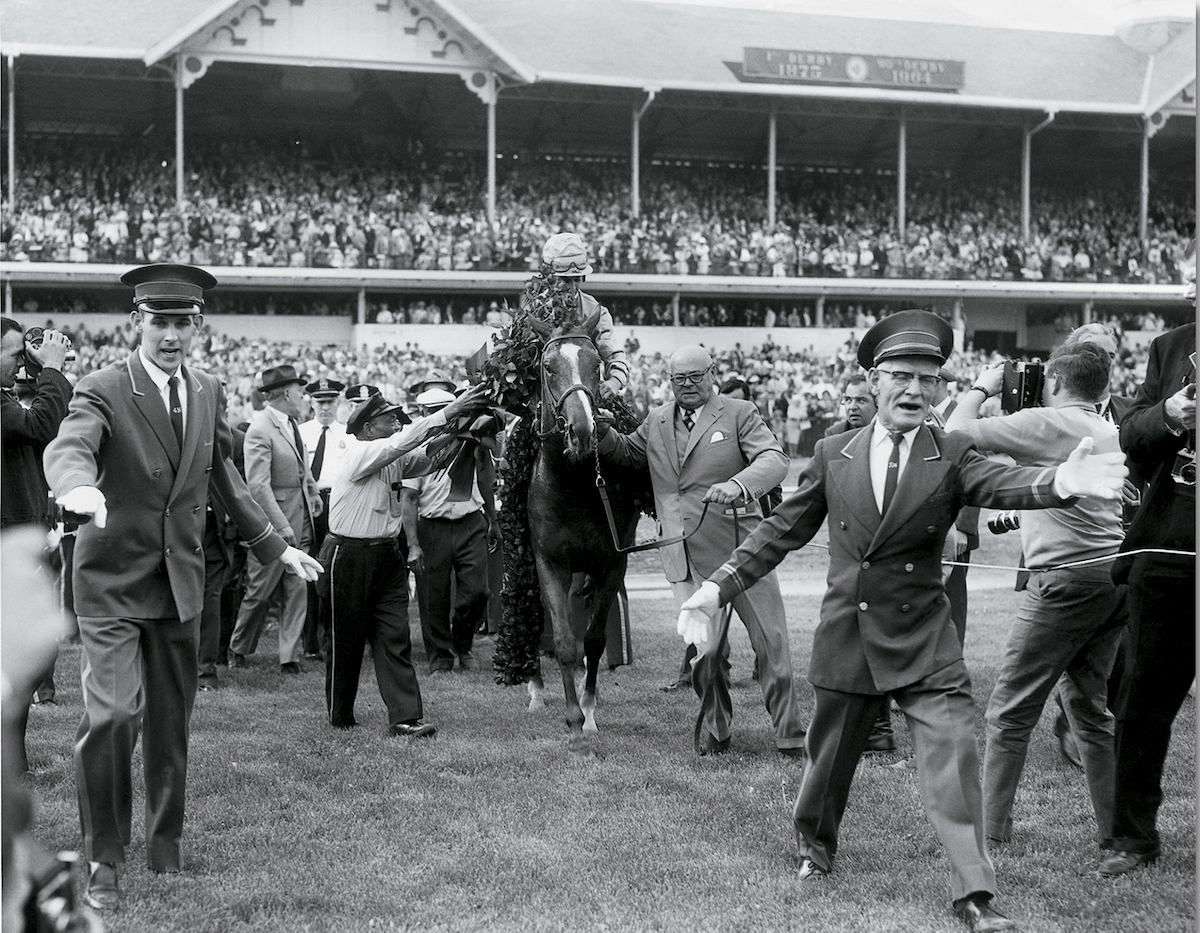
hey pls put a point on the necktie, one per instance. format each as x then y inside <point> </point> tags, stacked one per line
<point>893,472</point>
<point>176,411</point>
<point>689,419</point>
<point>296,438</point>
<point>319,454</point>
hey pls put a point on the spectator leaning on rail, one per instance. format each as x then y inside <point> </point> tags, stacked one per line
<point>143,444</point>
<point>1071,618</point>
<point>891,492</point>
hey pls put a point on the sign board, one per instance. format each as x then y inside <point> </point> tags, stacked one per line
<point>894,71</point>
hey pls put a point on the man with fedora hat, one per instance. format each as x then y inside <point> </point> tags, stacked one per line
<point>366,554</point>
<point>278,476</point>
<point>325,440</point>
<point>891,491</point>
<point>143,444</point>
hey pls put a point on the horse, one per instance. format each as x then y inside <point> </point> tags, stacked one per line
<point>579,566</point>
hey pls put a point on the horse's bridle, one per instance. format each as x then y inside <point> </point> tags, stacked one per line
<point>551,420</point>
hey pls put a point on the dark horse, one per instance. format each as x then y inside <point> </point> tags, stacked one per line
<point>579,568</point>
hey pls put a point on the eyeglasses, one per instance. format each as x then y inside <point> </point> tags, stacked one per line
<point>689,379</point>
<point>904,379</point>
<point>856,399</point>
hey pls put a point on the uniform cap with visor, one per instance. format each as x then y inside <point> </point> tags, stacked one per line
<point>373,407</point>
<point>906,333</point>
<point>169,287</point>
<point>566,255</point>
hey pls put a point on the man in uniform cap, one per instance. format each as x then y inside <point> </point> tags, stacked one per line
<point>325,440</point>
<point>143,444</point>
<point>366,553</point>
<point>279,479</point>
<point>891,491</point>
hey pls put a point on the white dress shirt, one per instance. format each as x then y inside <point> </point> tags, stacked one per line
<point>161,380</point>
<point>881,452</point>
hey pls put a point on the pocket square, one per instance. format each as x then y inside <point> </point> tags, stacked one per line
<point>717,436</point>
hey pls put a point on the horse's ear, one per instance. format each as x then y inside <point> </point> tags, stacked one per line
<point>593,321</point>
<point>541,328</point>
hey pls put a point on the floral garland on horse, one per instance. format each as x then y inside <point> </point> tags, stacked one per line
<point>511,370</point>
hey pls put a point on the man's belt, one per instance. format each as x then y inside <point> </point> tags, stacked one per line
<point>361,542</point>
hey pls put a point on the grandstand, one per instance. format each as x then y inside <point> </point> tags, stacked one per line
<point>329,159</point>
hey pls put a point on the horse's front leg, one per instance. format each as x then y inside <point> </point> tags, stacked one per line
<point>556,594</point>
<point>596,638</point>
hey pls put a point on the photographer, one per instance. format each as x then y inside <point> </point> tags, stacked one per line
<point>25,433</point>
<point>1071,618</point>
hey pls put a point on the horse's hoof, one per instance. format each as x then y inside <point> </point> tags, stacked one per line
<point>536,703</point>
<point>589,724</point>
<point>583,746</point>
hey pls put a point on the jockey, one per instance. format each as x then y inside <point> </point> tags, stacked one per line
<point>565,257</point>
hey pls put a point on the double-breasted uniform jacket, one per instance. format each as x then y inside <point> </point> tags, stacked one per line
<point>885,619</point>
<point>729,441</point>
<point>148,561</point>
<point>278,475</point>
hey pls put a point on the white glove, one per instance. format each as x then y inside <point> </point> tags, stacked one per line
<point>1087,474</point>
<point>86,500</point>
<point>696,614</point>
<point>297,562</point>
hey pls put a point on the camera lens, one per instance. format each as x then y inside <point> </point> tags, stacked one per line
<point>1187,474</point>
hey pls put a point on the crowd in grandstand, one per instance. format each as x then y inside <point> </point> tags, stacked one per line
<point>253,204</point>
<point>786,384</point>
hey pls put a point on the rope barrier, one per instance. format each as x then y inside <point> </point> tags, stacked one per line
<point>1067,566</point>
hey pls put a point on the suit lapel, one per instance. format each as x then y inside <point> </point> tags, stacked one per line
<point>147,400</point>
<point>705,419</point>
<point>922,476</point>
<point>666,428</point>
<point>850,471</point>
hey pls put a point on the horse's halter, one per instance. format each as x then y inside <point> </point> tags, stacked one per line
<point>551,420</point>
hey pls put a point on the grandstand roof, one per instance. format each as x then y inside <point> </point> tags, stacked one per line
<point>669,46</point>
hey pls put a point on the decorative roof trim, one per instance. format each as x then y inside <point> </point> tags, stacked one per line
<point>171,43</point>
<point>486,39</point>
<point>67,51</point>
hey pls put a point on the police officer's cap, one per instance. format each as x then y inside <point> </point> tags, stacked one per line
<point>324,388</point>
<point>169,287</point>
<point>906,333</point>
<point>360,392</point>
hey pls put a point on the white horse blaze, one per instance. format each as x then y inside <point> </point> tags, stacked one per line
<point>570,353</point>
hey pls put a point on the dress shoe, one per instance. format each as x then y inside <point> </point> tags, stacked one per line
<point>236,661</point>
<point>795,752</point>
<point>441,667</point>
<point>976,912</point>
<point>414,729</point>
<point>207,687</point>
<point>881,742</point>
<point>1066,741</point>
<point>313,656</point>
<point>291,667</point>
<point>810,869</point>
<point>1121,863</point>
<point>681,684</point>
<point>102,892</point>
<point>709,744</point>
<point>466,661</point>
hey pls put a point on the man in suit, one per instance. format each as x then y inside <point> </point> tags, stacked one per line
<point>278,477</point>
<point>891,492</point>
<point>858,405</point>
<point>1159,436</point>
<point>325,440</point>
<point>710,459</point>
<point>143,443</point>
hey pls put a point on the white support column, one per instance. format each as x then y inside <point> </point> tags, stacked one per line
<point>12,143</point>
<point>362,306</point>
<point>1026,172</point>
<point>772,135</point>
<point>635,153</point>
<point>491,156</point>
<point>902,179</point>
<point>1089,311</point>
<point>820,321</point>
<point>179,192</point>
<point>1144,191</point>
<point>635,164</point>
